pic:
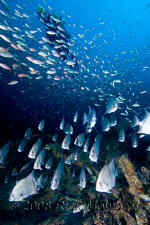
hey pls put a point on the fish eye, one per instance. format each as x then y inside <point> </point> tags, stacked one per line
<point>21,194</point>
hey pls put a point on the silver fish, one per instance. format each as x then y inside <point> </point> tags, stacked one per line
<point>68,129</point>
<point>82,178</point>
<point>105,123</point>
<point>66,142</point>
<point>79,209</point>
<point>4,151</point>
<point>107,178</point>
<point>75,117</point>
<point>112,105</point>
<point>79,141</point>
<point>49,163</point>
<point>39,160</point>
<point>84,119</point>
<point>57,175</point>
<point>135,121</point>
<point>86,145</point>
<point>91,120</point>
<point>62,124</point>
<point>145,197</point>
<point>148,149</point>
<point>35,148</point>
<point>41,126</point>
<point>28,133</point>
<point>95,149</point>
<point>144,125</point>
<point>121,135</point>
<point>112,119</point>
<point>6,54</point>
<point>24,188</point>
<point>22,145</point>
<point>134,140</point>
<point>72,157</point>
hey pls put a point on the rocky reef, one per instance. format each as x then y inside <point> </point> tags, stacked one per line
<point>71,205</point>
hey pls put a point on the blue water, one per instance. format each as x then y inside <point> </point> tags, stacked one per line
<point>125,28</point>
